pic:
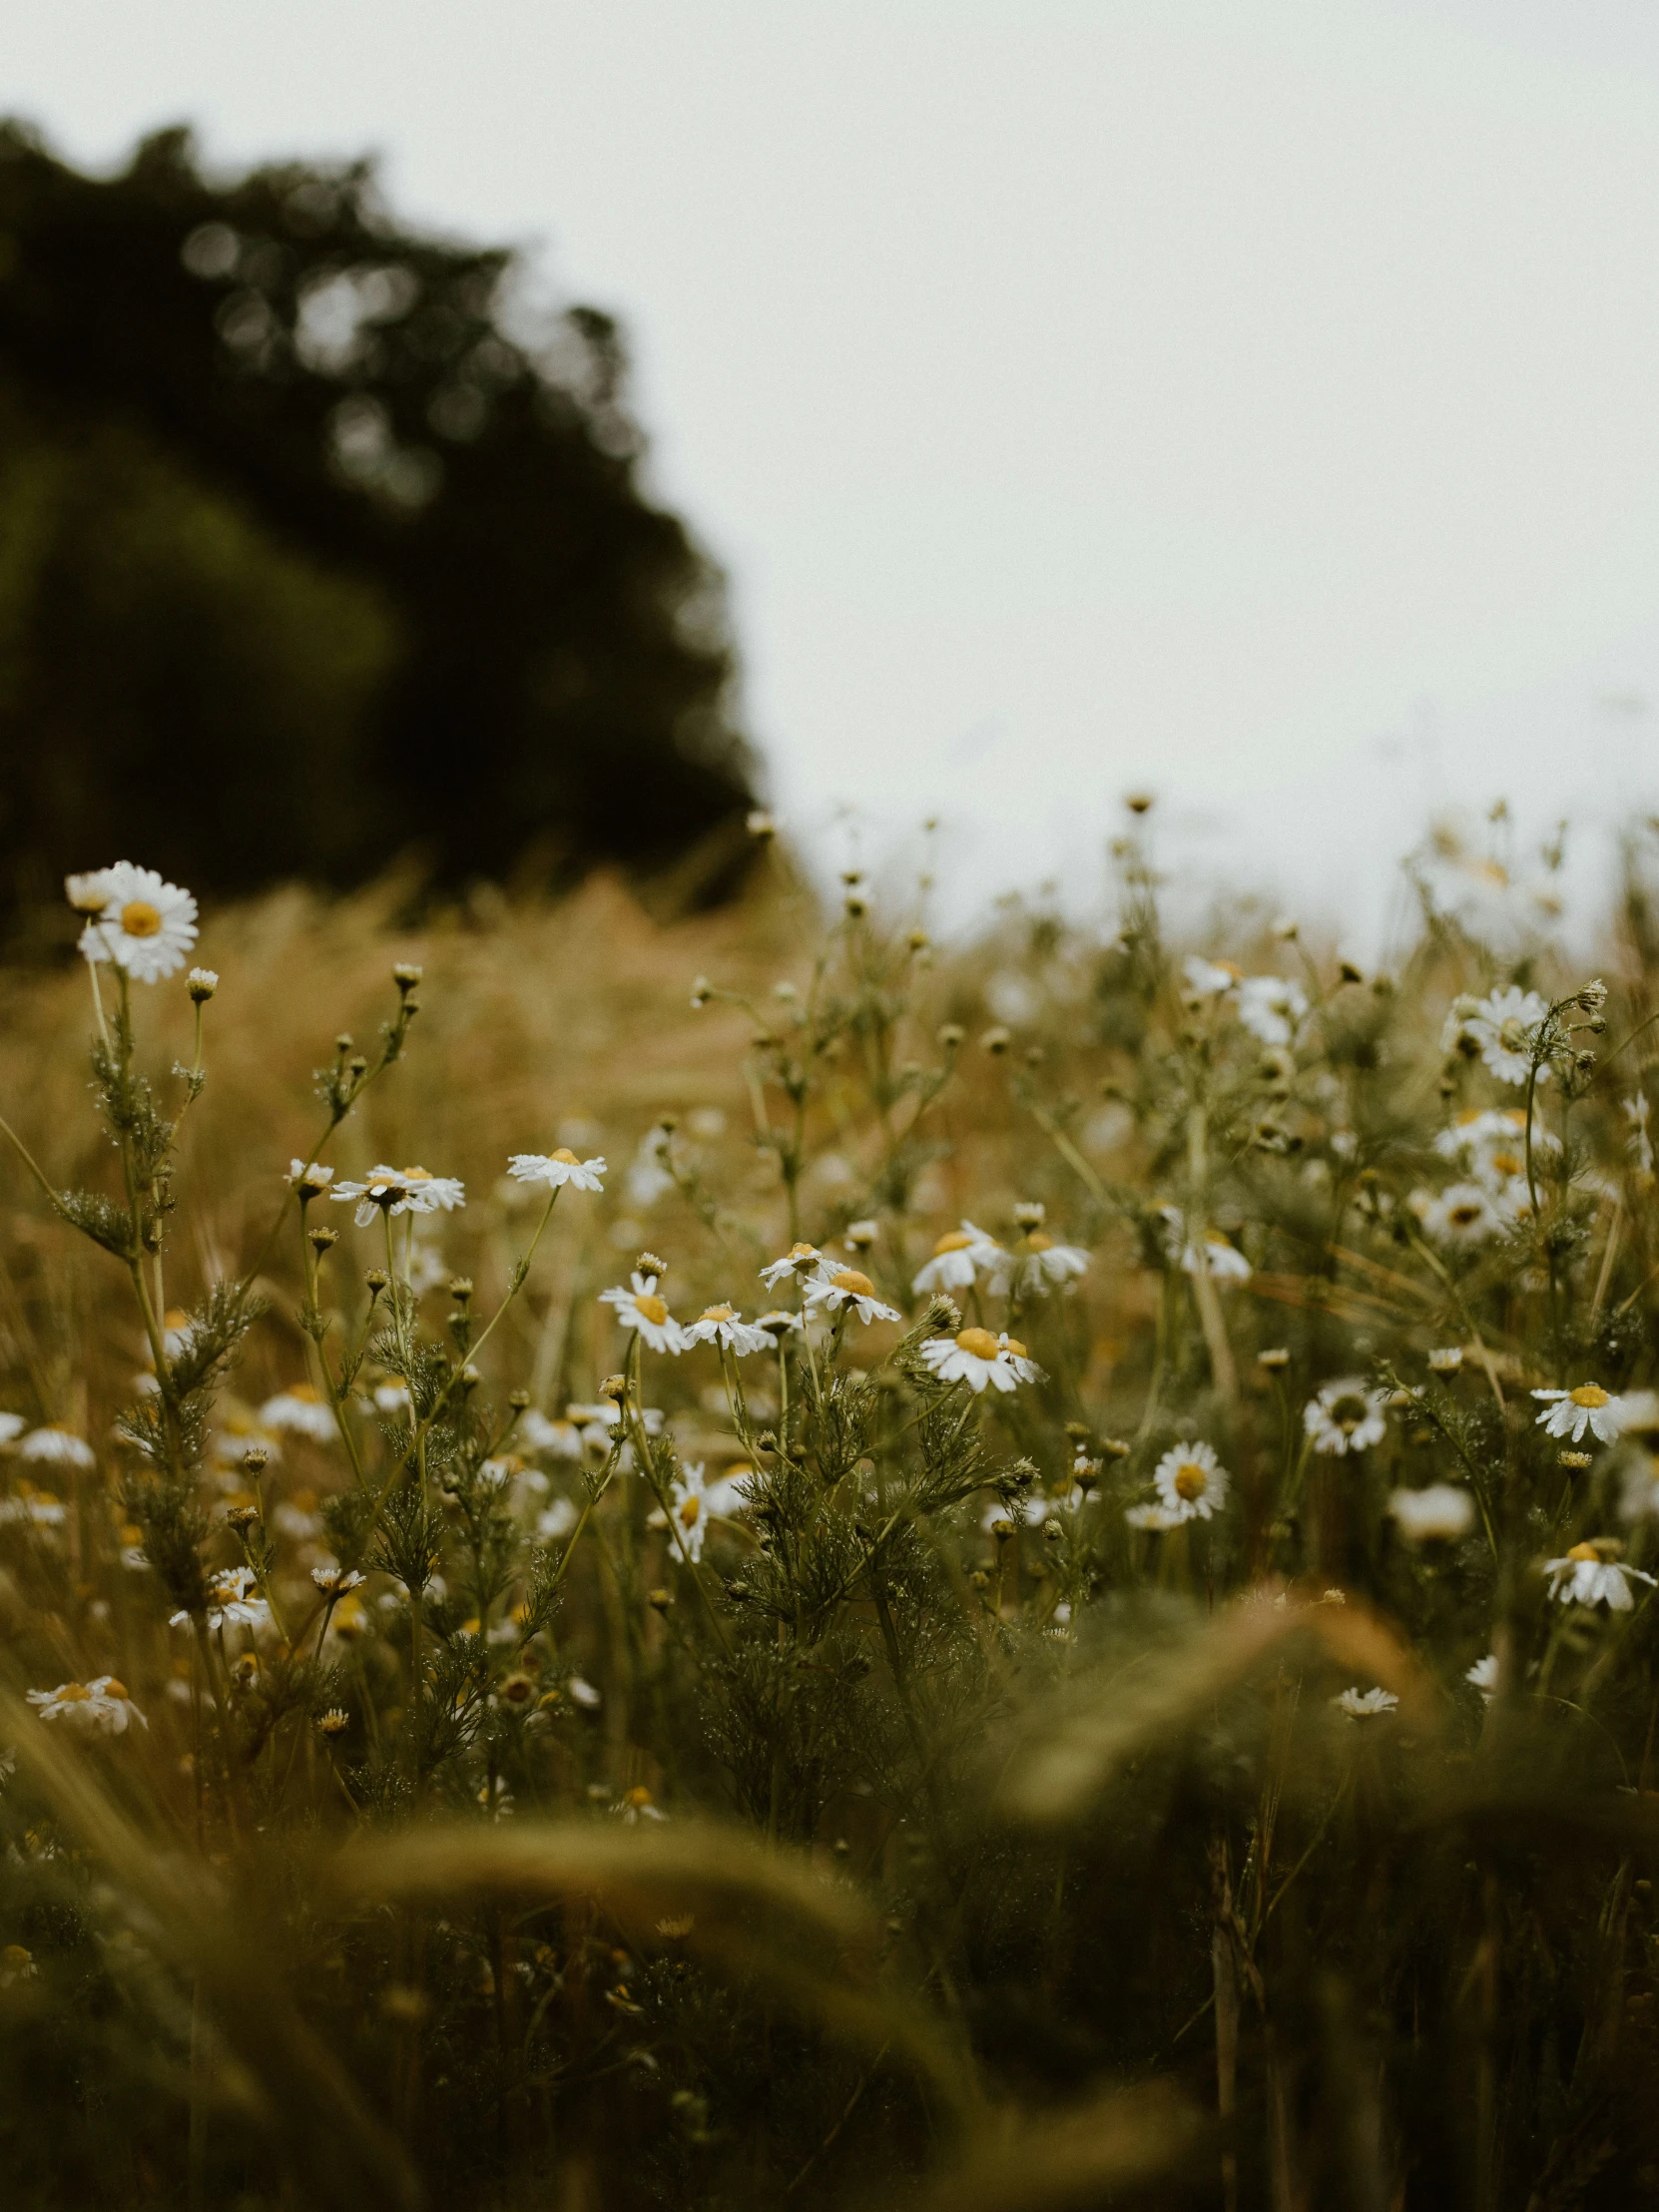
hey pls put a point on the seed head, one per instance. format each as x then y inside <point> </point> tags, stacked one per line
<point>322,1240</point>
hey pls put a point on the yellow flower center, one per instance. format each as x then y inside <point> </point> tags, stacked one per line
<point>720,1312</point>
<point>1015,1349</point>
<point>113,1688</point>
<point>637,1796</point>
<point>140,920</point>
<point>802,1252</point>
<point>306,1392</point>
<point>652,1307</point>
<point>1584,1551</point>
<point>855,1284</point>
<point>1040,1241</point>
<point>980,1342</point>
<point>74,1692</point>
<point>1191,1480</point>
<point>417,1175</point>
<point>956,1241</point>
<point>16,1957</point>
<point>564,1154</point>
<point>1513,1034</point>
<point>1505,1163</point>
<point>1588,1394</point>
<point>690,1510</point>
<point>176,1318</point>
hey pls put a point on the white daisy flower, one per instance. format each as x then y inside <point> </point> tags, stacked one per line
<point>778,1322</point>
<point>392,1397</point>
<point>334,1580</point>
<point>1585,1577</point>
<point>57,1447</point>
<point>1639,1499</point>
<point>1571,1413</point>
<point>1463,1213</point>
<point>801,1259</point>
<point>960,1258</point>
<point>556,1521</point>
<point>98,1708</point>
<point>561,1438</point>
<point>1272,1007</point>
<point>1190,1483</point>
<point>696,1503</point>
<point>146,927</point>
<point>1156,1518</point>
<point>1503,1026</point>
<point>301,1410</point>
<point>1345,1415</point>
<point>1445,1359</point>
<point>39,1508</point>
<point>88,893</point>
<point>399,1191</point>
<point>1483,1676</point>
<point>1209,1255</point>
<point>725,1325</point>
<point>12,1426</point>
<point>582,1692</point>
<point>1209,979</point>
<point>846,1286</point>
<point>1441,1511</point>
<point>1361,1704</point>
<point>1043,1266</point>
<point>309,1178</point>
<point>639,1308</point>
<point>978,1358</point>
<point>555,1169</point>
<point>229,1603</point>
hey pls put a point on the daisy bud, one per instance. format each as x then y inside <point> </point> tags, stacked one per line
<point>1115,1447</point>
<point>760,823</point>
<point>322,1240</point>
<point>519,1401</point>
<point>255,1459</point>
<point>861,1235</point>
<point>997,1039</point>
<point>1275,1357</point>
<point>1593,996</point>
<point>1583,1061</point>
<point>243,1517</point>
<point>1286,929</point>
<point>1030,1213</point>
<point>245,1670</point>
<point>1002,1528</point>
<point>658,1600</point>
<point>357,1066</point>
<point>89,894</point>
<point>1138,803</point>
<point>335,1723</point>
<point>1574,1458</point>
<point>649,1264</point>
<point>460,1289</point>
<point>614,1386</point>
<point>201,984</point>
<point>342,1043</point>
<point>407,976</point>
<point>701,993</point>
<point>376,1278</point>
<point>942,1315</point>
<point>950,1036</point>
<point>471,1379</point>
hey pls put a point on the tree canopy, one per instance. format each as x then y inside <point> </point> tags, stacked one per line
<point>318,546</point>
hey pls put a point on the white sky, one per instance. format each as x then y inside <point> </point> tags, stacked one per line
<point>1258,402</point>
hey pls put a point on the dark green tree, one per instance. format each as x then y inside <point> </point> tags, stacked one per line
<point>317,547</point>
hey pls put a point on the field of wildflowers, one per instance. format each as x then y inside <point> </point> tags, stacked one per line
<point>760,1564</point>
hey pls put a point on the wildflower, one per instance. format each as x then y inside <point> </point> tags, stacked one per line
<point>1344,1417</point>
<point>697,1502</point>
<point>1210,1254</point>
<point>1156,1518</point>
<point>145,925</point>
<point>12,1426</point>
<point>399,1191</point>
<point>846,1286</point>
<point>801,1259</point>
<point>631,1808</point>
<point>1571,1413</point>
<point>335,1722</point>
<point>859,1236</point>
<point>1044,1264</point>
<point>1275,1358</point>
<point>555,1169</point>
<point>1272,1007</point>
<point>1502,1029</point>
<point>725,1325</point>
<point>98,1708</point>
<point>301,1410</point>
<point>561,1438</point>
<point>1446,1359</point>
<point>1641,1499</point>
<point>88,893</point>
<point>40,1508</point>
<point>1483,1675</point>
<point>17,1963</point>
<point>309,1178</point>
<point>1441,1512</point>
<point>1588,1576</point>
<point>976,1357</point>
<point>1360,1705</point>
<point>555,1523</point>
<point>338,1581</point>
<point>1190,1483</point>
<point>58,1448</point>
<point>230,1605</point>
<point>201,984</point>
<point>392,1397</point>
<point>1463,1213</point>
<point>582,1692</point>
<point>1209,979</point>
<point>639,1308</point>
<point>777,1324</point>
<point>959,1256</point>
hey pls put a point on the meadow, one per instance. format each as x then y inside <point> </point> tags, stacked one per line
<point>747,1561</point>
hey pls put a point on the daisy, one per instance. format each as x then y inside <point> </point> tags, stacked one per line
<point>1043,1266</point>
<point>58,1448</point>
<point>1344,1417</point>
<point>697,1502</point>
<point>959,1256</point>
<point>1441,1511</point>
<point>976,1357</point>
<point>1156,1518</point>
<point>725,1325</point>
<point>555,1523</point>
<point>1587,1577</point>
<point>309,1178</point>
<point>1361,1704</point>
<point>555,1169</point>
<point>801,1259</point>
<point>535,1433</point>
<point>392,1397</point>
<point>1271,1007</point>
<point>1503,1028</point>
<point>399,1191</point>
<point>37,1507</point>
<point>334,1580</point>
<point>1483,1676</point>
<point>639,1308</point>
<point>1190,1483</point>
<point>1445,1359</point>
<point>98,1708</point>
<point>1209,1255</point>
<point>12,1426</point>
<point>145,925</point>
<point>846,1286</point>
<point>230,1604</point>
<point>1209,979</point>
<point>777,1324</point>
<point>301,1412</point>
<point>1463,1213</point>
<point>1570,1414</point>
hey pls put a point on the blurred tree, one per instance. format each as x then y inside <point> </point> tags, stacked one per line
<point>316,546</point>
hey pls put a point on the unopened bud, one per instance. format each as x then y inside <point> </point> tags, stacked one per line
<point>519,1401</point>
<point>460,1289</point>
<point>201,984</point>
<point>322,1240</point>
<point>614,1386</point>
<point>649,1264</point>
<point>407,976</point>
<point>997,1039</point>
<point>376,1278</point>
<point>255,1457</point>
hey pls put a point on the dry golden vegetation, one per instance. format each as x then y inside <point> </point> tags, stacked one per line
<point>1132,1682</point>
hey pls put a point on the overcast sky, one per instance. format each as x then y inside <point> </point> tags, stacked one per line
<point>1256,402</point>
